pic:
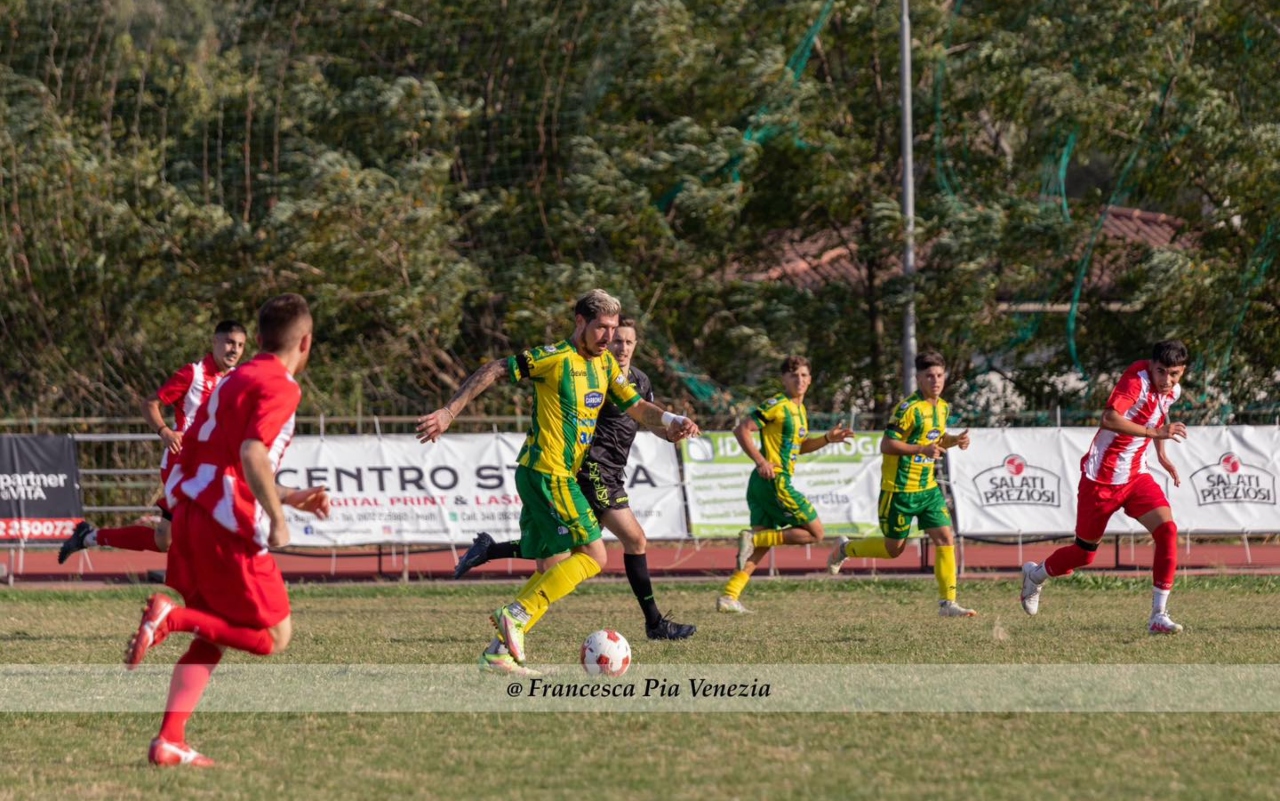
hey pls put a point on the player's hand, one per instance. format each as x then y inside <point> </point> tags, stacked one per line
<point>838,434</point>
<point>1174,431</point>
<point>765,469</point>
<point>931,451</point>
<point>172,440</point>
<point>963,440</point>
<point>312,499</point>
<point>1167,464</point>
<point>683,430</point>
<point>279,536</point>
<point>431,426</point>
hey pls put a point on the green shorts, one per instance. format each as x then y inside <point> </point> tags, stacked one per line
<point>776,504</point>
<point>555,515</point>
<point>898,508</point>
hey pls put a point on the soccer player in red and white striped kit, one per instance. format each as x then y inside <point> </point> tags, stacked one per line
<point>1115,477</point>
<point>186,391</point>
<point>227,513</point>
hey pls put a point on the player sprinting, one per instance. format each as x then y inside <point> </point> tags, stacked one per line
<point>227,512</point>
<point>780,514</point>
<point>186,390</point>
<point>602,483</point>
<point>912,443</point>
<point>1115,477</point>
<point>572,380</point>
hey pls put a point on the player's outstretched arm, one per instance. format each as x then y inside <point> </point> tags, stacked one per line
<point>896,447</point>
<point>1167,463</point>
<point>256,465</point>
<point>744,432</point>
<point>837,434</point>
<point>151,412</point>
<point>651,415</point>
<point>312,499</point>
<point>431,426</point>
<point>1117,422</point>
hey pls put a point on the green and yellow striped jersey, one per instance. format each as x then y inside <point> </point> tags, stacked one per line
<point>568,393</point>
<point>918,422</point>
<point>784,426</point>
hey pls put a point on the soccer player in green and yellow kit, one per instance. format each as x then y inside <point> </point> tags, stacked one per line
<point>571,379</point>
<point>780,515</point>
<point>915,438</point>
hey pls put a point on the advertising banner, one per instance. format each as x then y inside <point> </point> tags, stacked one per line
<point>841,480</point>
<point>39,487</point>
<point>393,489</point>
<point>1024,480</point>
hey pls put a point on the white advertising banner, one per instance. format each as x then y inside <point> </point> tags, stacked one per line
<point>393,489</point>
<point>841,480</point>
<point>1024,480</point>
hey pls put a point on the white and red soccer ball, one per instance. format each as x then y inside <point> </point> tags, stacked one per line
<point>606,653</point>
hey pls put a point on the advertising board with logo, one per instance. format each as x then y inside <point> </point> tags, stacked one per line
<point>1024,481</point>
<point>842,481</point>
<point>39,487</point>
<point>394,489</point>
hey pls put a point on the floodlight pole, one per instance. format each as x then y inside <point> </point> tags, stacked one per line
<point>908,211</point>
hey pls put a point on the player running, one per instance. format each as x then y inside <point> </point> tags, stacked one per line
<point>1115,477</point>
<point>915,438</point>
<point>227,512</point>
<point>572,380</point>
<point>186,391</point>
<point>780,515</point>
<point>602,483</point>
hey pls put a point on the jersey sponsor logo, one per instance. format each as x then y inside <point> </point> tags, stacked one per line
<point>621,380</point>
<point>769,404</point>
<point>933,435</point>
<point>1230,480</point>
<point>593,400</point>
<point>904,406</point>
<point>550,348</point>
<point>1014,482</point>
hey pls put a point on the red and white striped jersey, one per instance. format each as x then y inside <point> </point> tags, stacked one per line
<point>186,391</point>
<point>1115,458</point>
<point>257,401</point>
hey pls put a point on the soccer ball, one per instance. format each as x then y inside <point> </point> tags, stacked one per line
<point>606,653</point>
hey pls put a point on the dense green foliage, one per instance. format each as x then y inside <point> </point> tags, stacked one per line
<point>443,179</point>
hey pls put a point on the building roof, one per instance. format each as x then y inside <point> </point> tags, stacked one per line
<point>823,257</point>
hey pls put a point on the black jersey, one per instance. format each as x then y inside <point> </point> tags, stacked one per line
<point>615,430</point>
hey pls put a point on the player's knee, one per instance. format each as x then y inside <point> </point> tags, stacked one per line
<point>895,547</point>
<point>163,540</point>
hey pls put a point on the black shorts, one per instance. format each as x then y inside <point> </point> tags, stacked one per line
<point>604,488</point>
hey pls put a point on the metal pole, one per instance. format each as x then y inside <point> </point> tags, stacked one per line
<point>908,210</point>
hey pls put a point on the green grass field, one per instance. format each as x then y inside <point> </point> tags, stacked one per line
<point>1084,621</point>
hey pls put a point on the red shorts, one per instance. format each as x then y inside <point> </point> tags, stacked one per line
<point>224,573</point>
<point>1095,503</point>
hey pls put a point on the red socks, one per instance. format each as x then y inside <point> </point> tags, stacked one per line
<point>1166,559</point>
<point>1067,558</point>
<point>219,631</point>
<point>190,677</point>
<point>129,538</point>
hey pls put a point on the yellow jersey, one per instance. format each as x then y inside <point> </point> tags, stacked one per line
<point>568,394</point>
<point>784,426</point>
<point>916,421</point>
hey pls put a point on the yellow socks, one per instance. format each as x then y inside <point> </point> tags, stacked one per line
<point>560,580</point>
<point>869,548</point>
<point>767,539</point>
<point>736,584</point>
<point>944,570</point>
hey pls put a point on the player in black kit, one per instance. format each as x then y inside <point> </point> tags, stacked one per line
<point>602,482</point>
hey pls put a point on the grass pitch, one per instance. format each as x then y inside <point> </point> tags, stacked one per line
<point>1087,620</point>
